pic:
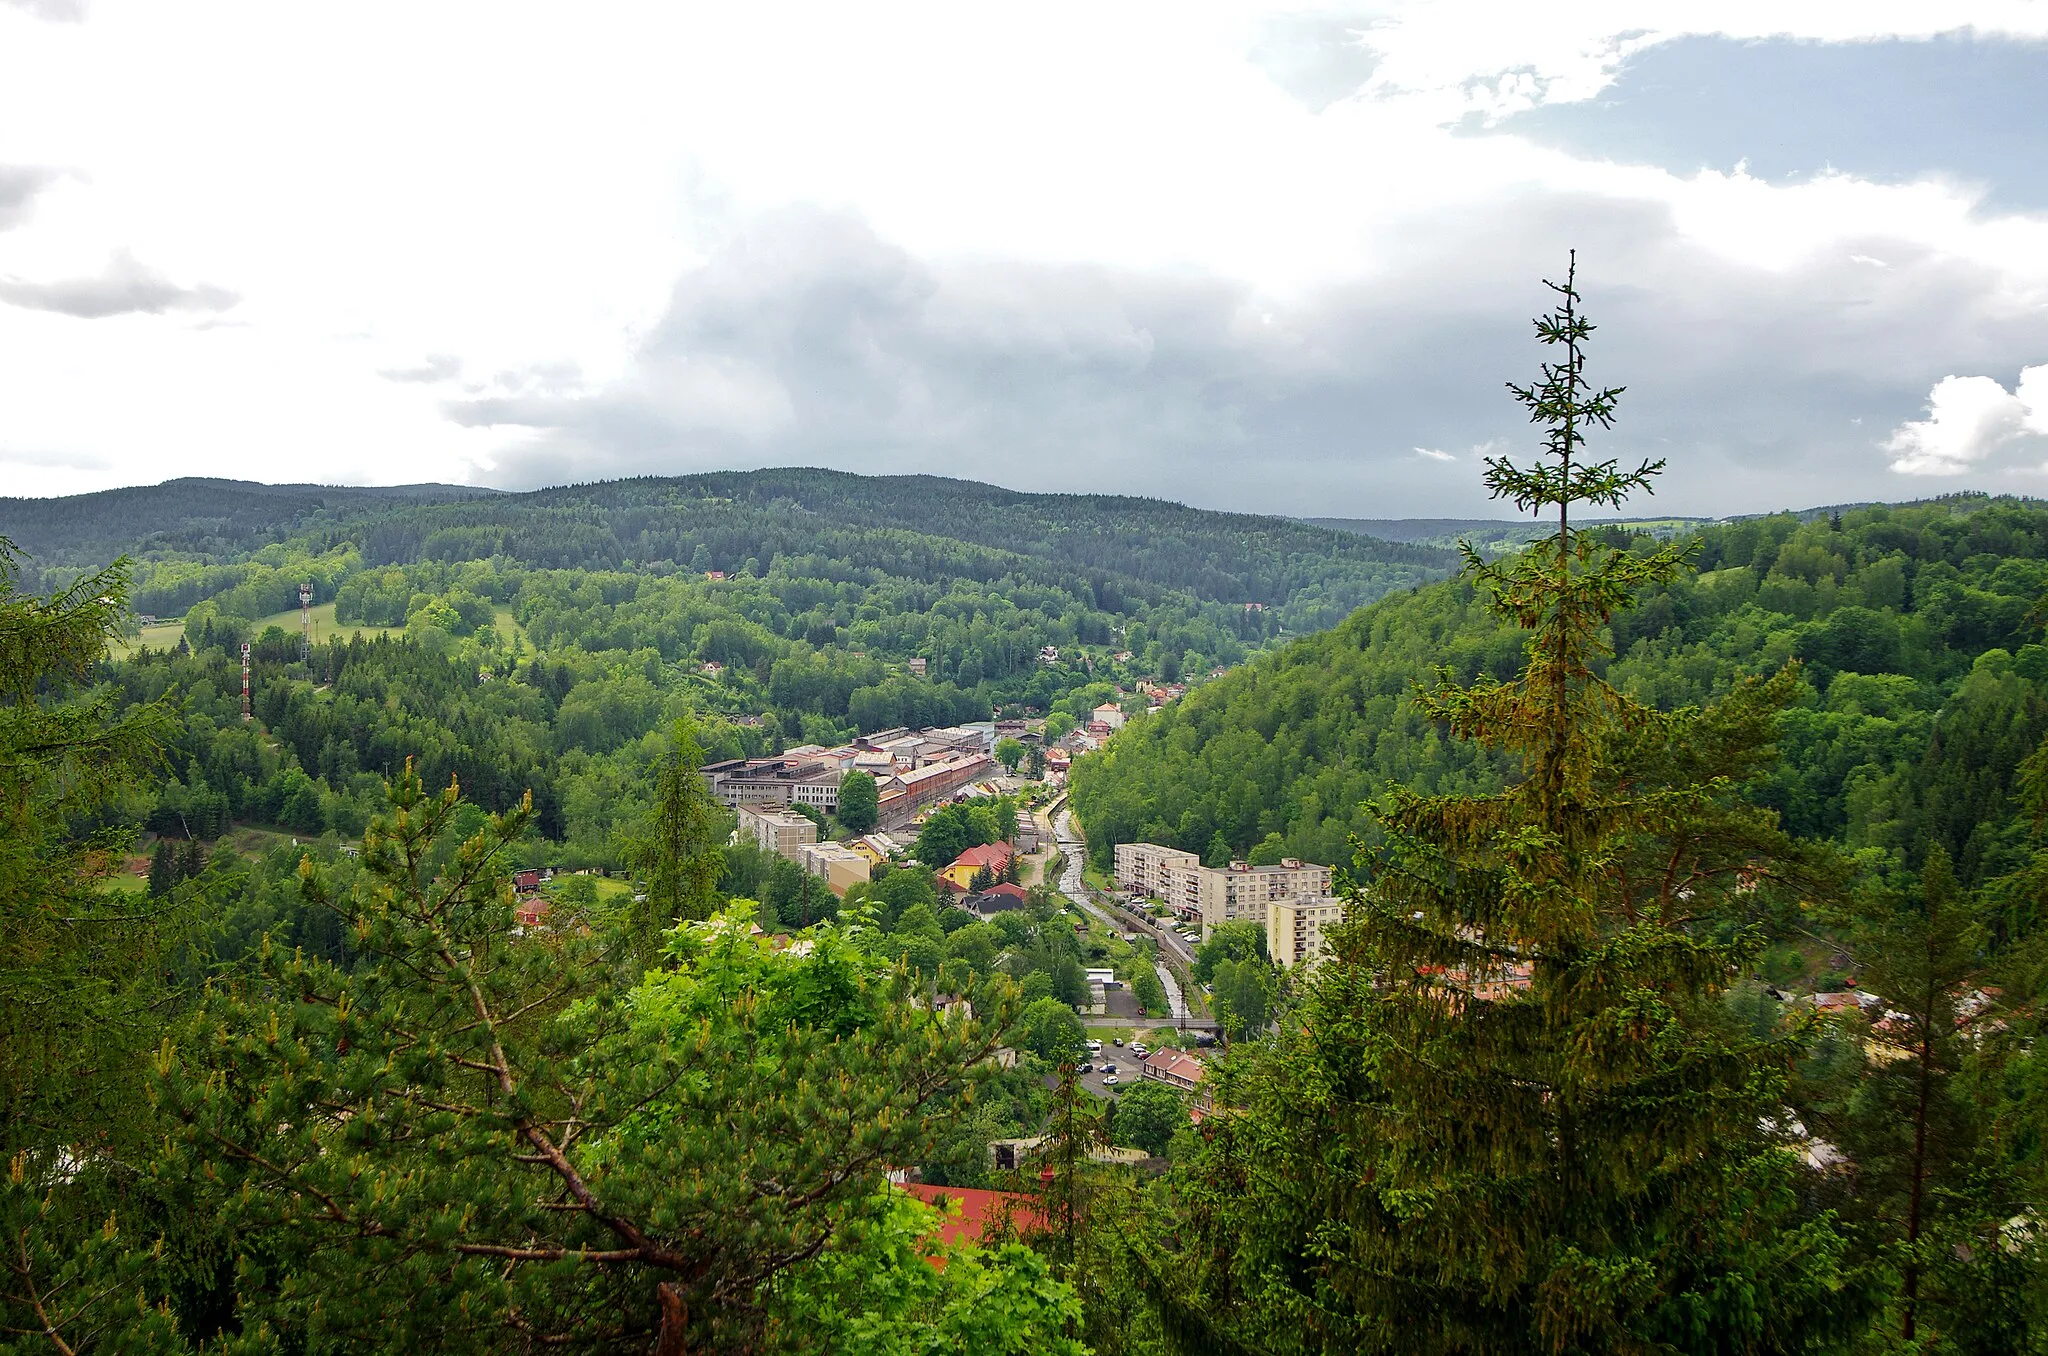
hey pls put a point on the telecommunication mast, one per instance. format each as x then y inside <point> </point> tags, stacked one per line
<point>245,680</point>
<point>306,622</point>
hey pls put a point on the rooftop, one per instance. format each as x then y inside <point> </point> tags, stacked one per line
<point>979,1212</point>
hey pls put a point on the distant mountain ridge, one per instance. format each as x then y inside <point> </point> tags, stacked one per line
<point>1304,576</point>
<point>199,514</point>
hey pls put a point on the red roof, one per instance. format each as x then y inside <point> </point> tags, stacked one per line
<point>1177,1063</point>
<point>1008,891</point>
<point>994,856</point>
<point>979,1211</point>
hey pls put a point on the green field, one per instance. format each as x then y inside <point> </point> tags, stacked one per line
<point>164,635</point>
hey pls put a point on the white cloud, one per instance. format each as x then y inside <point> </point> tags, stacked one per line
<point>1435,454</point>
<point>1228,204</point>
<point>1969,421</point>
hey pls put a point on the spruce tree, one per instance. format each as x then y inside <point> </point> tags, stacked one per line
<point>77,961</point>
<point>163,869</point>
<point>1919,1186</point>
<point>679,852</point>
<point>1512,1114</point>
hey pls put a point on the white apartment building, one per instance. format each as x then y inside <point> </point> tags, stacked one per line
<point>783,832</point>
<point>1139,867</point>
<point>1241,890</point>
<point>1213,894</point>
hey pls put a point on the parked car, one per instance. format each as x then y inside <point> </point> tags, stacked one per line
<point>1116,1040</point>
<point>1109,1068</point>
<point>1140,1051</point>
<point>1094,1047</point>
<point>1110,1081</point>
<point>1087,1068</point>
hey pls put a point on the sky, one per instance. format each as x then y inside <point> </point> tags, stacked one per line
<point>1272,259</point>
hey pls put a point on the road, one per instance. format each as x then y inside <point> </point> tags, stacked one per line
<point>1075,887</point>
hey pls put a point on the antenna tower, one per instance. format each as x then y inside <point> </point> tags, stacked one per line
<point>306,622</point>
<point>245,680</point>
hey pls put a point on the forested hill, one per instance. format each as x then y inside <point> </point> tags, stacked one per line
<point>1924,687</point>
<point>1307,576</point>
<point>196,515</point>
<point>1433,530</point>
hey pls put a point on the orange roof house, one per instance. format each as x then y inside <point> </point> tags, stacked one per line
<point>980,1212</point>
<point>995,857</point>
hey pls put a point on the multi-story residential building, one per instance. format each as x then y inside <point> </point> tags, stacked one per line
<point>782,832</point>
<point>1241,890</point>
<point>1216,894</point>
<point>1139,867</point>
<point>1295,928</point>
<point>841,866</point>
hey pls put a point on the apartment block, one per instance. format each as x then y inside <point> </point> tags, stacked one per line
<point>1295,928</point>
<point>1243,891</point>
<point>1140,867</point>
<point>841,866</point>
<point>782,832</point>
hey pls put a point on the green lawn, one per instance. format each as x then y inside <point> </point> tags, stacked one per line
<point>164,635</point>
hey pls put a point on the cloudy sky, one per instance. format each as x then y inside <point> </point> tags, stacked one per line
<point>1265,258</point>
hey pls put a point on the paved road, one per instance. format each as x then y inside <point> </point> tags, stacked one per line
<point>1172,945</point>
<point>1074,886</point>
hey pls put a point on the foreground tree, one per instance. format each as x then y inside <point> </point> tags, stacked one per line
<point>678,852</point>
<point>860,805</point>
<point>474,1140</point>
<point>1513,1114</point>
<point>79,962</point>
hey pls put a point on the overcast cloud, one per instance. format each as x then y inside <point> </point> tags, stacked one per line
<point>1280,260</point>
<point>124,287</point>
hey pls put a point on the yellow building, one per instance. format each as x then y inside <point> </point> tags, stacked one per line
<point>993,857</point>
<point>1295,927</point>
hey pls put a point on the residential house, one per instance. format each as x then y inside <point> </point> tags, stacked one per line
<point>1182,1071</point>
<point>1108,715</point>
<point>996,899</point>
<point>972,1213</point>
<point>991,857</point>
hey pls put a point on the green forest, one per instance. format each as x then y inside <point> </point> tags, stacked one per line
<point>1683,999</point>
<point>1919,691</point>
<point>536,643</point>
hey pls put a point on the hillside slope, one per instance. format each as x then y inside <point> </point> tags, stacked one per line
<point>194,514</point>
<point>1923,676</point>
<point>1307,577</point>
